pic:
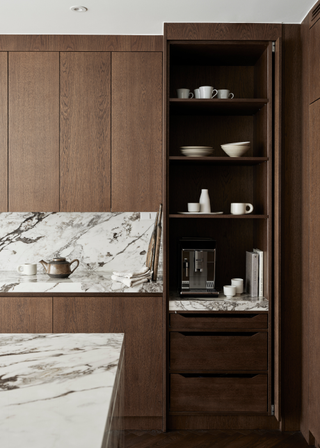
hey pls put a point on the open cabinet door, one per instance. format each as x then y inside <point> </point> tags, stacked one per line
<point>277,229</point>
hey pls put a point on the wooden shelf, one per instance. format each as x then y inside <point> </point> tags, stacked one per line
<point>224,216</point>
<point>237,106</point>
<point>220,160</point>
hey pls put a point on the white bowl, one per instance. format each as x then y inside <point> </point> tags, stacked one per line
<point>238,144</point>
<point>235,150</point>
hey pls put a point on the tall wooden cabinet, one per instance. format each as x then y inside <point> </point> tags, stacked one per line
<point>33,138</point>
<point>3,131</point>
<point>85,131</point>
<point>251,70</point>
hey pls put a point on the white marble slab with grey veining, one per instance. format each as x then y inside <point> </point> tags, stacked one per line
<point>78,282</point>
<point>101,241</point>
<point>55,389</point>
<point>243,302</point>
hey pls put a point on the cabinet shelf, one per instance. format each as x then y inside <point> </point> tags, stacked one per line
<point>224,216</point>
<point>236,106</point>
<point>220,160</point>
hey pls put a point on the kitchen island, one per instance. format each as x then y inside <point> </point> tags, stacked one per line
<point>61,390</point>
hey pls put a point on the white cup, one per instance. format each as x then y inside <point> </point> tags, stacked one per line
<point>225,94</point>
<point>229,290</point>
<point>197,93</point>
<point>241,208</point>
<point>238,283</point>
<point>194,207</point>
<point>184,93</point>
<point>27,269</point>
<point>207,92</point>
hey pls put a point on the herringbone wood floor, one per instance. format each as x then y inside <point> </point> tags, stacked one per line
<point>214,439</point>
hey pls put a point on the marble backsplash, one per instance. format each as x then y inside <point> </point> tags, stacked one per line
<point>101,241</point>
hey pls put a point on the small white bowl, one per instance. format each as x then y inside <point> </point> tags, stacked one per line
<point>235,150</point>
<point>229,291</point>
<point>238,144</point>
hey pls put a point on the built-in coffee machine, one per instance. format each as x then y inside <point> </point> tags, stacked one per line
<point>198,267</point>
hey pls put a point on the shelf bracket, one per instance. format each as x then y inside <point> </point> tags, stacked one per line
<point>273,47</point>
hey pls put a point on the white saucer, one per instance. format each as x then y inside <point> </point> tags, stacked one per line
<point>200,213</point>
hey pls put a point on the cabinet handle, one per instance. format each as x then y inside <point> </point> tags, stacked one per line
<point>217,316</point>
<point>211,333</point>
<point>218,375</point>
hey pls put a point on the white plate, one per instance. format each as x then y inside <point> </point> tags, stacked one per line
<point>196,147</point>
<point>200,213</point>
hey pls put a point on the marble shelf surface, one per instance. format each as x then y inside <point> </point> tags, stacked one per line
<point>56,389</point>
<point>242,302</point>
<point>82,282</point>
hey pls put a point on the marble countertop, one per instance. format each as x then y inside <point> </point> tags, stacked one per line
<point>56,389</point>
<point>242,302</point>
<point>79,281</point>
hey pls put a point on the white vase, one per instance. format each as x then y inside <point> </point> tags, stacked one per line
<point>204,200</point>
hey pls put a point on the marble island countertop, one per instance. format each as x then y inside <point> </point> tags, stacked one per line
<point>57,390</point>
<point>242,302</point>
<point>78,282</point>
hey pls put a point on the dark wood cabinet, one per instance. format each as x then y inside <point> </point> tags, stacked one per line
<point>224,357</point>
<point>33,131</point>
<point>140,318</point>
<point>314,64</point>
<point>3,131</point>
<point>25,315</point>
<point>136,131</point>
<point>85,131</point>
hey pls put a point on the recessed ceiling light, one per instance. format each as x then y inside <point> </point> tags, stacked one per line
<point>79,8</point>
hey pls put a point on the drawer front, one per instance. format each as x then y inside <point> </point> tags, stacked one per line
<point>214,321</point>
<point>209,393</point>
<point>218,351</point>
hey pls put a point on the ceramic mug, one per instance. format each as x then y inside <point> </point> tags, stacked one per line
<point>27,269</point>
<point>207,92</point>
<point>225,94</point>
<point>184,93</point>
<point>241,208</point>
<point>197,93</point>
<point>194,207</point>
<point>238,283</point>
<point>229,290</point>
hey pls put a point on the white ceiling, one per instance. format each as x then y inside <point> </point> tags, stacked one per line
<point>140,16</point>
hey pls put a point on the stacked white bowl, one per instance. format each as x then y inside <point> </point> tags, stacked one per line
<point>236,149</point>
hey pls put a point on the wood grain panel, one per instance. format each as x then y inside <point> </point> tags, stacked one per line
<point>304,123</point>
<point>33,132</point>
<point>218,351</point>
<point>314,277</point>
<point>227,394</point>
<point>80,43</point>
<point>141,321</point>
<point>222,31</point>
<point>314,46</point>
<point>3,132</point>
<point>289,284</point>
<point>85,132</point>
<point>136,131</point>
<point>25,314</point>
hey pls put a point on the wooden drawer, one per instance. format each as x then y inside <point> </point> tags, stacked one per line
<point>215,321</point>
<point>218,351</point>
<point>214,393</point>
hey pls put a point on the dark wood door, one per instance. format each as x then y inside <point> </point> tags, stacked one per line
<point>3,132</point>
<point>136,131</point>
<point>140,319</point>
<point>314,86</point>
<point>85,132</point>
<point>34,131</point>
<point>25,314</point>
<point>314,263</point>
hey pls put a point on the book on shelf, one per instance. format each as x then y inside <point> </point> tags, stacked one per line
<point>260,253</point>
<point>252,273</point>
